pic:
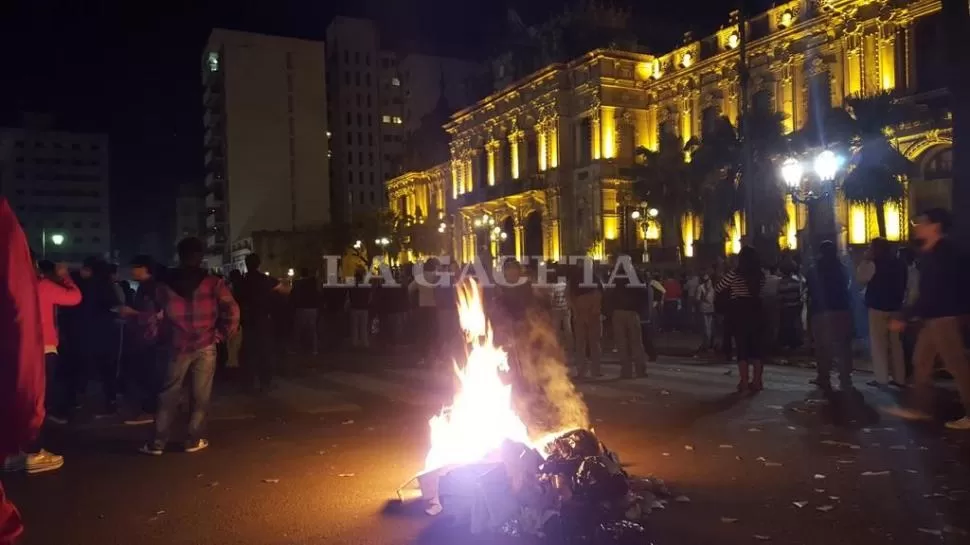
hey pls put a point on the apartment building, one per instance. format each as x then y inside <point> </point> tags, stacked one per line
<point>57,184</point>
<point>377,98</point>
<point>266,143</point>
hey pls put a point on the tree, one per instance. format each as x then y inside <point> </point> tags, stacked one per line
<point>768,145</point>
<point>713,172</point>
<point>862,128</point>
<point>661,179</point>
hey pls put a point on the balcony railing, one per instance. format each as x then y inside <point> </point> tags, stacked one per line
<point>505,188</point>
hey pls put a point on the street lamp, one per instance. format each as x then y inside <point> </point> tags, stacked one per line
<point>290,273</point>
<point>635,214</point>
<point>358,244</point>
<point>653,212</point>
<point>791,172</point>
<point>56,239</point>
<point>826,165</point>
<point>643,214</point>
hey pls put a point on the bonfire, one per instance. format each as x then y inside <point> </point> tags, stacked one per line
<point>487,469</point>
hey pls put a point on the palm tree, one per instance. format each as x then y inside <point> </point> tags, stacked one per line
<point>713,173</point>
<point>862,127</point>
<point>716,170</point>
<point>661,179</point>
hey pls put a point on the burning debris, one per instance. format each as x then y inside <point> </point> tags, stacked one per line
<point>487,472</point>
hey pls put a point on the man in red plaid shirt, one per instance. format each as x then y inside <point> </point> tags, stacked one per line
<point>196,312</point>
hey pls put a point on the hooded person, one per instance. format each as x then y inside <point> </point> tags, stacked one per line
<point>196,311</point>
<point>22,379</point>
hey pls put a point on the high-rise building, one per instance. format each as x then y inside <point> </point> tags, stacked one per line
<point>57,184</point>
<point>265,139</point>
<point>377,97</point>
<point>190,212</point>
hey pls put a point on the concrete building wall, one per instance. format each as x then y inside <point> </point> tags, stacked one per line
<point>58,184</point>
<point>270,121</point>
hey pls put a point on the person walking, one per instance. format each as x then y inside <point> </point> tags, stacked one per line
<point>884,277</point>
<point>625,300</point>
<point>257,300</point>
<point>144,357</point>
<point>943,306</point>
<point>829,305</point>
<point>22,381</point>
<point>746,315</point>
<point>705,307</point>
<point>196,312</point>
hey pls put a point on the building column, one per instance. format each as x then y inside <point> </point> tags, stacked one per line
<point>887,58</point>
<point>519,239</point>
<point>608,138</point>
<point>459,175</point>
<point>469,169</point>
<point>541,145</point>
<point>514,139</point>
<point>594,122</point>
<point>555,250</point>
<point>553,130</point>
<point>490,149</point>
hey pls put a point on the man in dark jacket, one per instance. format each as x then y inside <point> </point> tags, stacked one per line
<point>885,279</point>
<point>143,356</point>
<point>306,302</point>
<point>942,305</point>
<point>257,300</point>
<point>828,310</point>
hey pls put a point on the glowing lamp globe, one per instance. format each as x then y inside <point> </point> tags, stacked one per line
<point>826,165</point>
<point>791,172</point>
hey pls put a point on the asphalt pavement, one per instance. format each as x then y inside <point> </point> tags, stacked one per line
<point>319,459</point>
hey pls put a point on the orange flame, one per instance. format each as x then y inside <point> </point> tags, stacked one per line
<point>481,415</point>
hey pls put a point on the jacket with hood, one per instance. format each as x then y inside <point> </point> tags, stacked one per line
<point>197,310</point>
<point>22,378</point>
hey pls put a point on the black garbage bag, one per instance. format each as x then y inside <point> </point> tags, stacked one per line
<point>621,532</point>
<point>574,444</point>
<point>598,480</point>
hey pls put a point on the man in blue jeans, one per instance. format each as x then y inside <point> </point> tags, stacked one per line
<point>197,311</point>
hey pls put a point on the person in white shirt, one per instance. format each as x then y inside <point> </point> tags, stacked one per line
<point>705,306</point>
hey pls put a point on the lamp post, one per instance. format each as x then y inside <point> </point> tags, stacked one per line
<point>483,227</point>
<point>809,190</point>
<point>643,214</point>
<point>383,242</point>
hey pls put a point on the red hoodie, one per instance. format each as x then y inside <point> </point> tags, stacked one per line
<point>65,294</point>
<point>21,354</point>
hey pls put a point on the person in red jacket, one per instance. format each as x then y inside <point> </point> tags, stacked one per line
<point>21,355</point>
<point>55,289</point>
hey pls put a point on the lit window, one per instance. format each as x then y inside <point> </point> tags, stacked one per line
<point>786,19</point>
<point>395,82</point>
<point>386,118</point>
<point>213,61</point>
<point>397,120</point>
<point>733,40</point>
<point>687,59</point>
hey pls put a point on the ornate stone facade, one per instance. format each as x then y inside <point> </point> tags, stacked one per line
<point>552,152</point>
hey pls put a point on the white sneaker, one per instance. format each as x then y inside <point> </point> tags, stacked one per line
<point>14,463</point>
<point>907,413</point>
<point>196,446</point>
<point>961,424</point>
<point>43,461</point>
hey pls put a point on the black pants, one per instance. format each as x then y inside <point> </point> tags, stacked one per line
<point>142,377</point>
<point>105,359</point>
<point>257,354</point>
<point>790,327</point>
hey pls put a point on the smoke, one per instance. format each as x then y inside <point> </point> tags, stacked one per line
<point>545,397</point>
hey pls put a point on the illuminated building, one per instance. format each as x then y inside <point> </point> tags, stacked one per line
<point>548,156</point>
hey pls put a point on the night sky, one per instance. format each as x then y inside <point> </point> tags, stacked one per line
<point>131,68</point>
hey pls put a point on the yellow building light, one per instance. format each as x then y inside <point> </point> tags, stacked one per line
<point>514,156</point>
<point>733,40</point>
<point>687,231</point>
<point>608,128</point>
<point>893,221</point>
<point>644,70</point>
<point>542,146</point>
<point>786,19</point>
<point>656,69</point>
<point>791,227</point>
<point>610,228</point>
<point>857,223</point>
<point>491,165</point>
<point>553,145</point>
<point>653,231</point>
<point>687,59</point>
